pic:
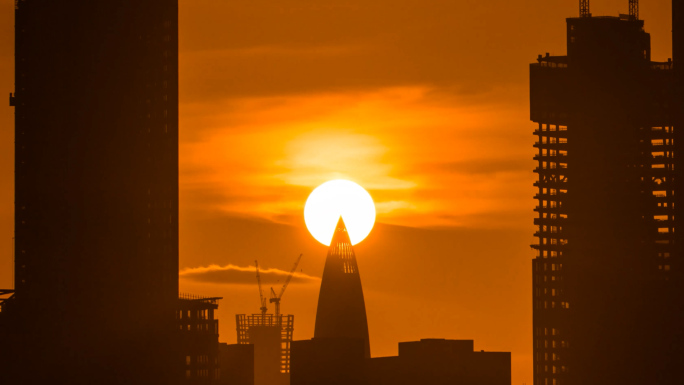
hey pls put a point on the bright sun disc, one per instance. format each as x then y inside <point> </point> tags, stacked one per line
<point>337,198</point>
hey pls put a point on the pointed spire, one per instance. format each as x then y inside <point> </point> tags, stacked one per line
<point>341,235</point>
<point>341,309</point>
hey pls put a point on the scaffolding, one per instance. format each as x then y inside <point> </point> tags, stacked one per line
<point>269,330</point>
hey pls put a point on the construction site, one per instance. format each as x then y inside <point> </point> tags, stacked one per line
<point>607,142</point>
<point>271,335</point>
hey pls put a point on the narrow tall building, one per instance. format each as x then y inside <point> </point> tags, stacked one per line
<point>341,312</point>
<point>96,194</point>
<point>607,278</point>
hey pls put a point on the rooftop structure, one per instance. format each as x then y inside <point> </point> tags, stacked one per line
<point>607,278</point>
<point>341,311</point>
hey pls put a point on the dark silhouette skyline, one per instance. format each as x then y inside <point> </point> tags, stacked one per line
<point>339,353</point>
<point>607,279</point>
<point>96,254</point>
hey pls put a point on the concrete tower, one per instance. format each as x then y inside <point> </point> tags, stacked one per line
<point>341,310</point>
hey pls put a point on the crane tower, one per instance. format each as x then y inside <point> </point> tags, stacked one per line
<point>271,335</point>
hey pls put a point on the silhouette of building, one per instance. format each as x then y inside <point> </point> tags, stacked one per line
<point>236,364</point>
<point>329,361</point>
<point>271,336</point>
<point>198,338</point>
<point>339,361</point>
<point>96,195</point>
<point>341,311</point>
<point>440,362</point>
<point>607,278</point>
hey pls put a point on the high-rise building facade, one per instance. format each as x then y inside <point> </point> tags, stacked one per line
<point>341,312</point>
<point>96,193</point>
<point>607,278</point>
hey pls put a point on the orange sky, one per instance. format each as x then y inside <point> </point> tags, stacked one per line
<point>423,102</point>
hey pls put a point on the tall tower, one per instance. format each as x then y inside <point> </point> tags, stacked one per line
<point>96,192</point>
<point>341,309</point>
<point>607,278</point>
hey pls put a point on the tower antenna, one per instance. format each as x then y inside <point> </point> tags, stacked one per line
<point>634,9</point>
<point>584,8</point>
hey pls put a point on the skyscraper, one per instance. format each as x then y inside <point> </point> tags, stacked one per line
<point>96,212</point>
<point>607,278</point>
<point>341,312</point>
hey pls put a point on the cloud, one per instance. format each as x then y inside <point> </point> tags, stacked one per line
<point>238,275</point>
<point>480,166</point>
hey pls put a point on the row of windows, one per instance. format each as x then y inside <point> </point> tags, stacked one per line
<point>548,357</point>
<point>553,344</point>
<point>555,369</point>
<point>203,327</point>
<point>552,127</point>
<point>548,266</point>
<point>186,314</point>
<point>538,279</point>
<point>539,331</point>
<point>203,373</point>
<point>538,292</point>
<point>538,304</point>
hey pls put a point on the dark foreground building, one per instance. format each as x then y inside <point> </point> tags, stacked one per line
<point>440,362</point>
<point>236,364</point>
<point>429,361</point>
<point>198,339</point>
<point>608,289</point>
<point>96,195</point>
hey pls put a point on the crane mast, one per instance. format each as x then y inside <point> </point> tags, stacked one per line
<point>584,8</point>
<point>634,9</point>
<point>262,300</point>
<point>275,298</point>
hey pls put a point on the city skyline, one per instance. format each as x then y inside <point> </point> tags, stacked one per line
<point>474,130</point>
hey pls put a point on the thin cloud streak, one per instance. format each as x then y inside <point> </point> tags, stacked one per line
<point>238,275</point>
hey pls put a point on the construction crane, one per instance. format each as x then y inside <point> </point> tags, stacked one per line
<point>263,307</point>
<point>584,8</point>
<point>634,9</point>
<point>276,298</point>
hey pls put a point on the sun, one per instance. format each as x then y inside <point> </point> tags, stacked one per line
<point>336,198</point>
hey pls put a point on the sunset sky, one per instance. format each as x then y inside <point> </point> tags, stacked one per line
<point>422,102</point>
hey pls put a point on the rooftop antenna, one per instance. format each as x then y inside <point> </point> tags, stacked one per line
<point>584,8</point>
<point>634,9</point>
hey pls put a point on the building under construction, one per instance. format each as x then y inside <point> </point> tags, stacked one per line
<point>198,338</point>
<point>607,279</point>
<point>271,335</point>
